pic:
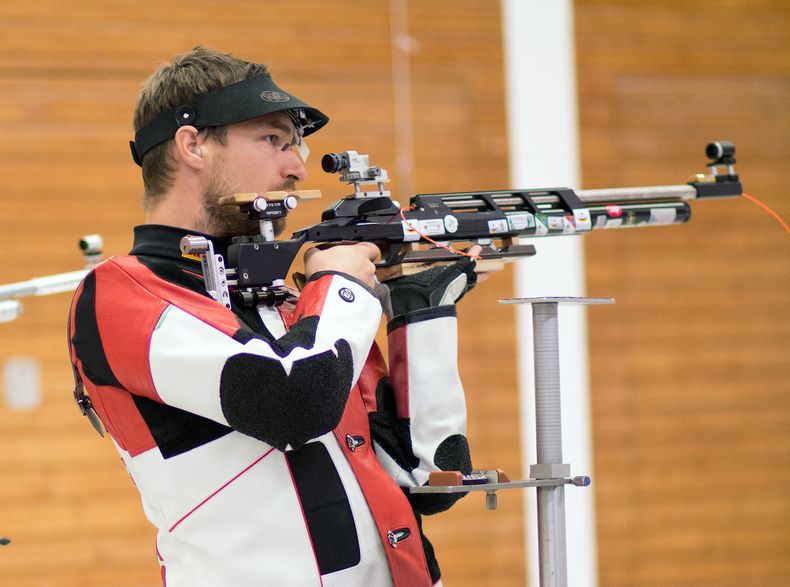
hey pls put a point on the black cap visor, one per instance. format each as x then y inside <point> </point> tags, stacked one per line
<point>244,100</point>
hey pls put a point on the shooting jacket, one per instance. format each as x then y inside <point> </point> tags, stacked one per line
<point>270,446</point>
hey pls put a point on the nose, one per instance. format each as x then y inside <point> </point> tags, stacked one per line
<point>293,168</point>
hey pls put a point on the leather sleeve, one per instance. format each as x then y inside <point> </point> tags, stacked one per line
<point>155,339</point>
<point>419,424</point>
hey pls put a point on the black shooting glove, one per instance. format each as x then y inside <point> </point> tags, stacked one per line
<point>437,286</point>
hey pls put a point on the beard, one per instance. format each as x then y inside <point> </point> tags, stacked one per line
<point>226,219</point>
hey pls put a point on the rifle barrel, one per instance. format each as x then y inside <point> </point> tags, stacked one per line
<point>683,192</point>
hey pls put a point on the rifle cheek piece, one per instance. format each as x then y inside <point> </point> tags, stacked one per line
<point>244,100</point>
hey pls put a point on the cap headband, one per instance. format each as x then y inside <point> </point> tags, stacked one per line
<point>244,100</point>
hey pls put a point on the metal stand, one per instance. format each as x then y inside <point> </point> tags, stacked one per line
<point>551,499</point>
<point>550,474</point>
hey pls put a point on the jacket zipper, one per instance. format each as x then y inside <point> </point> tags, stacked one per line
<point>396,536</point>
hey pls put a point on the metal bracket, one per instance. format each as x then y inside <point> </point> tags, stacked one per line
<point>213,267</point>
<point>492,488</point>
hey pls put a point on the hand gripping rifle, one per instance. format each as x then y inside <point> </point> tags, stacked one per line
<point>255,268</point>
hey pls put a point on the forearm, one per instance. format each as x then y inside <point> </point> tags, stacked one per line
<point>283,391</point>
<point>422,427</point>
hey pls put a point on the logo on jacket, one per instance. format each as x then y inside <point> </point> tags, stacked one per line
<point>346,294</point>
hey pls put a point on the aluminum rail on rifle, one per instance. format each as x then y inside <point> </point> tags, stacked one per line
<point>255,267</point>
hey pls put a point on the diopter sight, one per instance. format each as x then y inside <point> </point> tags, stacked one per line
<point>355,170</point>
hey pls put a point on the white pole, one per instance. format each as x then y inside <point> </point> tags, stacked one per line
<point>542,120</point>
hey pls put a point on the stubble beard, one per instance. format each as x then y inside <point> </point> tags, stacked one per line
<point>226,219</point>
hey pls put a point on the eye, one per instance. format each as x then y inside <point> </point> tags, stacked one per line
<point>279,141</point>
<point>273,140</point>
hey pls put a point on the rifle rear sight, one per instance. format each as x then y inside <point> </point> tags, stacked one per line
<point>357,171</point>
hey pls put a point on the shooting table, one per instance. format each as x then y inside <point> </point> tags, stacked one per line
<point>550,474</point>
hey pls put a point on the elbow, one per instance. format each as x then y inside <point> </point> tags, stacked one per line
<point>451,455</point>
<point>260,399</point>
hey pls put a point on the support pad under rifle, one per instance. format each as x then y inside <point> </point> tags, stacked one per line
<point>490,481</point>
<point>411,259</point>
<point>405,269</point>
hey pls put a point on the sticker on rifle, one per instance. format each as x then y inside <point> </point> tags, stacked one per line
<point>662,215</point>
<point>540,226</point>
<point>568,226</point>
<point>409,234</point>
<point>556,223</point>
<point>518,222</point>
<point>450,223</point>
<point>497,226</point>
<point>431,227</point>
<point>614,210</point>
<point>582,219</point>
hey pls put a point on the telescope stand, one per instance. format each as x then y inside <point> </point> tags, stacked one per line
<point>550,474</point>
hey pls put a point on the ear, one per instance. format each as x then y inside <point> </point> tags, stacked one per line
<point>188,147</point>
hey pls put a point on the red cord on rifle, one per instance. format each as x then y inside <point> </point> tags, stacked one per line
<point>430,240</point>
<point>771,212</point>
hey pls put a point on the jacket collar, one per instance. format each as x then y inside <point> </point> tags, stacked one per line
<point>158,240</point>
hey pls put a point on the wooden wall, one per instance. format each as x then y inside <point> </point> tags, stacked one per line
<point>689,370</point>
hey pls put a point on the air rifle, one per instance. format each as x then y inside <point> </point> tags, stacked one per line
<point>255,268</point>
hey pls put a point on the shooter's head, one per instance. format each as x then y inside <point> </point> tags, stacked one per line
<point>208,91</point>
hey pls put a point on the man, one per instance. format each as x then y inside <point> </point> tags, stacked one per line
<point>270,446</point>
